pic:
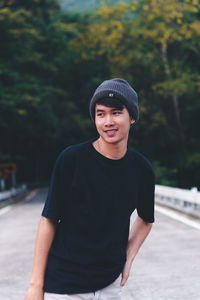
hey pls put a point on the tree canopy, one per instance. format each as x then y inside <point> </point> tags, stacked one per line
<point>51,62</point>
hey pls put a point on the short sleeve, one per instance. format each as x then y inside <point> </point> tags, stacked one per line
<point>59,188</point>
<point>145,205</point>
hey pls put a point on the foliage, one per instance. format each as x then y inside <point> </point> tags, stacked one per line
<point>51,62</point>
<point>164,175</point>
<point>154,45</point>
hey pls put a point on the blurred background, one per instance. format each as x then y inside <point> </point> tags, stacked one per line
<point>53,55</point>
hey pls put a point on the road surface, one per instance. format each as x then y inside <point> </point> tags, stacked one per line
<point>166,268</point>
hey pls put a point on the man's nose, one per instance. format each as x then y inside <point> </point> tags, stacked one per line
<point>109,120</point>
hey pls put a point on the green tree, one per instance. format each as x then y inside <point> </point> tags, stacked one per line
<point>153,44</point>
<point>45,89</point>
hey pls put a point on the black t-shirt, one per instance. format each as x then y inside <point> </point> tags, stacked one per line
<point>92,198</point>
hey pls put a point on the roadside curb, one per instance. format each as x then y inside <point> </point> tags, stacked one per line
<point>178,216</point>
<point>25,197</point>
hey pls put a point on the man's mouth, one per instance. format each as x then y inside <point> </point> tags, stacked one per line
<point>110,132</point>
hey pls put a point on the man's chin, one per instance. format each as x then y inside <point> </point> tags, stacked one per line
<point>112,140</point>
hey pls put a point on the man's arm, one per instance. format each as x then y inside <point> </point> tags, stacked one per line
<point>45,235</point>
<point>138,234</point>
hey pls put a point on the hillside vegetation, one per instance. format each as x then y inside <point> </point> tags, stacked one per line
<point>51,61</point>
<point>87,5</point>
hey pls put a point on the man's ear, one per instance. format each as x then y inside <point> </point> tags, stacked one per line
<point>132,121</point>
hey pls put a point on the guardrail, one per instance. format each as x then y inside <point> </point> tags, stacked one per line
<point>187,201</point>
<point>14,192</point>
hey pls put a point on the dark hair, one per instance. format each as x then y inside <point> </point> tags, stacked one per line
<point>111,102</point>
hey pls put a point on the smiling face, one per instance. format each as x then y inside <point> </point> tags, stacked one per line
<point>112,124</point>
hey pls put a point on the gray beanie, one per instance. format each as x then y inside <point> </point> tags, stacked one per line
<point>116,88</point>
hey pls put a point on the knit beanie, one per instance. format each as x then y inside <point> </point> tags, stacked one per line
<point>116,88</point>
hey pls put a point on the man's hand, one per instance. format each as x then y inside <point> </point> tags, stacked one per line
<point>126,272</point>
<point>35,293</point>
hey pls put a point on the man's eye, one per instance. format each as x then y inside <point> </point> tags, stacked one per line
<point>117,112</point>
<point>100,114</point>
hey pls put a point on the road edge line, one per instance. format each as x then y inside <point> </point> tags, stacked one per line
<point>176,216</point>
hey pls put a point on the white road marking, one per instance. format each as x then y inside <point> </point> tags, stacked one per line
<point>176,216</point>
<point>27,198</point>
<point>31,195</point>
<point>5,210</point>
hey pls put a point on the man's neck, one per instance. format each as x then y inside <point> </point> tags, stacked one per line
<point>112,151</point>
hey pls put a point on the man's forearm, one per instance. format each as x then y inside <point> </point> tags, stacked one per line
<point>139,231</point>
<point>45,235</point>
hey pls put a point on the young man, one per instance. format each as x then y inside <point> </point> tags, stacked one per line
<point>84,249</point>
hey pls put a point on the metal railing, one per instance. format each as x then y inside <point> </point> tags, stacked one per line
<point>187,201</point>
<point>13,192</point>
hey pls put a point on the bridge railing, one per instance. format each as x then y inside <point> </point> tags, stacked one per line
<point>186,201</point>
<point>14,192</point>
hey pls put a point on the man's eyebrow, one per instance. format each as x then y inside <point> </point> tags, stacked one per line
<point>102,110</point>
<point>99,110</point>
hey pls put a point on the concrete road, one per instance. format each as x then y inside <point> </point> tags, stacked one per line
<point>166,268</point>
